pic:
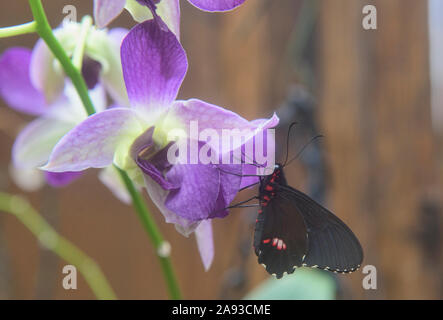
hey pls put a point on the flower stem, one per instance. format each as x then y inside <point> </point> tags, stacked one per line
<point>162,246</point>
<point>25,28</point>
<point>49,238</point>
<point>45,32</point>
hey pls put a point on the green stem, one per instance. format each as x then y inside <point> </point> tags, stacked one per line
<point>49,238</point>
<point>162,246</point>
<point>25,28</point>
<point>45,32</point>
<point>154,234</point>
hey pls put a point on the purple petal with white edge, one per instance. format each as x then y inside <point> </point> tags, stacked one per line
<point>205,242</point>
<point>199,188</point>
<point>107,10</point>
<point>210,116</point>
<point>61,179</point>
<point>216,5</point>
<point>35,142</point>
<point>15,83</point>
<point>93,142</point>
<point>264,146</point>
<point>158,196</point>
<point>44,76</point>
<point>154,65</point>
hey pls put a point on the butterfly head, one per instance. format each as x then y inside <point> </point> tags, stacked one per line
<point>277,176</point>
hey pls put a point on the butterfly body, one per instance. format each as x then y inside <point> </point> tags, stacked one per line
<point>292,230</point>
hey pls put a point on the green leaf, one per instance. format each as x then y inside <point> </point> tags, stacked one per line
<point>303,284</point>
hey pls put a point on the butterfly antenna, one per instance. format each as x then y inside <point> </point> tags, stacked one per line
<point>304,147</point>
<point>287,142</point>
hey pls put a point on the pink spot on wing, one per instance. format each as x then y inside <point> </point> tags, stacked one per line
<point>274,242</point>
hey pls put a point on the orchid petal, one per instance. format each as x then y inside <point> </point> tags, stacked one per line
<point>216,5</point>
<point>247,180</point>
<point>61,179</point>
<point>230,179</point>
<point>154,65</point>
<point>15,83</point>
<point>139,12</point>
<point>111,179</point>
<point>35,143</point>
<point>169,11</point>
<point>105,48</point>
<point>69,107</point>
<point>107,10</point>
<point>205,242</point>
<point>92,143</point>
<point>27,179</point>
<point>44,75</point>
<point>117,35</point>
<point>210,116</point>
<point>158,196</point>
<point>199,188</point>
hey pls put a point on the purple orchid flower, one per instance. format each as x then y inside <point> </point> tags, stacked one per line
<point>136,138</point>
<point>35,142</point>
<point>169,10</point>
<point>33,83</point>
<point>100,62</point>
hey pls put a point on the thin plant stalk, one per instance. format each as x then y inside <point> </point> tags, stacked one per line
<point>51,240</point>
<point>30,27</point>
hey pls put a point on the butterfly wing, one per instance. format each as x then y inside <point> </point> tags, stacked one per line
<point>331,244</point>
<point>280,238</point>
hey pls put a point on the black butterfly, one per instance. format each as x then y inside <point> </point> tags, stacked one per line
<point>292,230</point>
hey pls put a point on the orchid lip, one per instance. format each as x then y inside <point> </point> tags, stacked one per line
<point>91,71</point>
<point>150,159</point>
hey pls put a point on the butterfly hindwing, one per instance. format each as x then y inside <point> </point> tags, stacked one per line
<point>331,244</point>
<point>280,238</point>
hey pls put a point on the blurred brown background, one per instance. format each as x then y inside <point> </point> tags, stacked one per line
<point>382,158</point>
